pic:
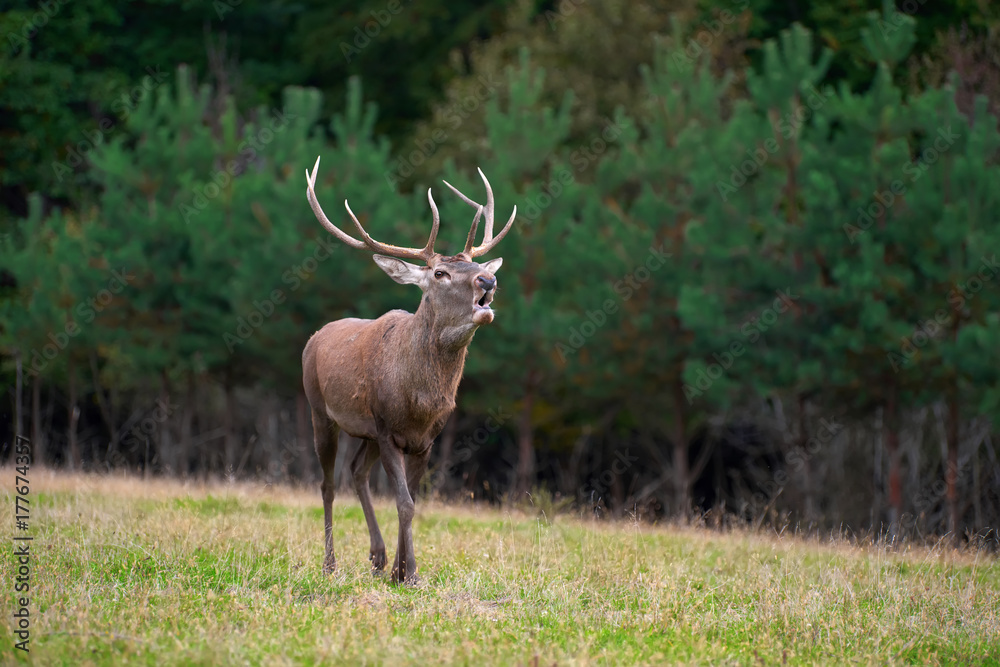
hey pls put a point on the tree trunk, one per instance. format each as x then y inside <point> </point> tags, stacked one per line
<point>145,458</point>
<point>617,493</point>
<point>573,486</point>
<point>304,435</point>
<point>37,445</point>
<point>447,444</point>
<point>104,408</point>
<point>73,417</point>
<point>525,441</point>
<point>951,471</point>
<point>806,458</point>
<point>18,395</point>
<point>270,428</point>
<point>230,428</point>
<point>977,492</point>
<point>891,429</point>
<point>682,481</point>
<point>167,448</point>
<point>187,420</point>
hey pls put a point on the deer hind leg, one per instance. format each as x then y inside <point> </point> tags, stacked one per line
<point>416,466</point>
<point>361,467</point>
<point>326,434</point>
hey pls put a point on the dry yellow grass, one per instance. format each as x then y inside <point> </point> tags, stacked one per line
<point>164,572</point>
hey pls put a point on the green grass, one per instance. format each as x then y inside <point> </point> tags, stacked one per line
<point>159,572</point>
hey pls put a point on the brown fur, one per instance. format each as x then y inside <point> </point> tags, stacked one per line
<point>392,382</point>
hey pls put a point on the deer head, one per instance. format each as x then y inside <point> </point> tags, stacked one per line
<point>457,289</point>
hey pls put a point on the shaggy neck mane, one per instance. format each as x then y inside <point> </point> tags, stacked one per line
<point>434,350</point>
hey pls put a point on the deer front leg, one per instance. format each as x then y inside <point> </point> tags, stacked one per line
<point>326,434</point>
<point>405,566</point>
<point>416,466</point>
<point>361,466</point>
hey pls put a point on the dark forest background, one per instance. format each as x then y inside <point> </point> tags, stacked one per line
<point>754,273</point>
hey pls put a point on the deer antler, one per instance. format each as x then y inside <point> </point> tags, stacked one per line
<point>488,241</point>
<point>426,253</point>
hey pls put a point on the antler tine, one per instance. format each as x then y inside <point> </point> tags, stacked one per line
<point>386,248</point>
<point>462,196</point>
<point>489,242</point>
<point>470,242</point>
<point>492,243</point>
<point>429,248</point>
<point>366,241</point>
<point>321,216</point>
<point>488,232</point>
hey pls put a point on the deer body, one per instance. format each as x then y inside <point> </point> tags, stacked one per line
<point>392,381</point>
<point>388,368</point>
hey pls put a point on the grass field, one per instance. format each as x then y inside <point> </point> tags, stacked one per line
<point>159,572</point>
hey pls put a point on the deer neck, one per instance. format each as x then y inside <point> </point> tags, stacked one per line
<point>437,342</point>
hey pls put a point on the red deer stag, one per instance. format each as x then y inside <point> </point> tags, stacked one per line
<point>392,381</point>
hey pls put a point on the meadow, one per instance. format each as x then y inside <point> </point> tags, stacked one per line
<point>132,571</point>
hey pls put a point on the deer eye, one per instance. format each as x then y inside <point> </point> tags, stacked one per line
<point>440,274</point>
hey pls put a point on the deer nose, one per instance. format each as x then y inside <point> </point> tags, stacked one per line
<point>486,283</point>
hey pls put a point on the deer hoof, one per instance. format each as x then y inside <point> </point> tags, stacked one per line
<point>412,581</point>
<point>405,579</point>
<point>378,559</point>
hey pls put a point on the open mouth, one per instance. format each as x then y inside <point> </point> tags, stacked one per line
<point>483,300</point>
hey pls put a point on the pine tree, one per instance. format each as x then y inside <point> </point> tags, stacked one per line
<point>542,265</point>
<point>54,315</point>
<point>198,209</point>
<point>675,353</point>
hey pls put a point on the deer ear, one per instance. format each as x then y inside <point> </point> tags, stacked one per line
<point>493,265</point>
<point>402,272</point>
